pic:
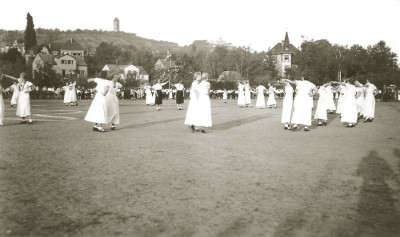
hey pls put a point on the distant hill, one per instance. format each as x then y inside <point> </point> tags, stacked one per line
<point>90,39</point>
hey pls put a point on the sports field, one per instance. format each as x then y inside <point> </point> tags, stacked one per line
<point>153,177</point>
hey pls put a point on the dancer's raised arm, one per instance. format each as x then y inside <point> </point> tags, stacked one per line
<point>11,77</point>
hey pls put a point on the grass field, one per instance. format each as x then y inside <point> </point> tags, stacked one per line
<point>153,177</point>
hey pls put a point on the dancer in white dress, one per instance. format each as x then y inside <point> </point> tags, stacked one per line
<point>260,103</point>
<point>271,96</point>
<point>241,99</point>
<point>287,106</point>
<point>329,99</point>
<point>179,94</point>
<point>72,94</point>
<point>204,119</point>
<point>349,106</point>
<point>67,95</point>
<point>112,101</point>
<point>322,105</point>
<point>97,112</point>
<point>149,96</point>
<point>247,93</point>
<point>342,95</point>
<point>225,95</point>
<point>360,88</point>
<point>192,110</point>
<point>15,91</point>
<point>369,106</point>
<point>24,101</point>
<point>153,96</point>
<point>303,103</point>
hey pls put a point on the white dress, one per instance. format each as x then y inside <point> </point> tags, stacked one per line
<point>225,95</point>
<point>192,110</point>
<point>204,105</point>
<point>1,107</point>
<point>349,107</point>
<point>72,93</point>
<point>329,98</point>
<point>322,105</point>
<point>271,96</point>
<point>14,98</point>
<point>342,95</point>
<point>241,99</point>
<point>112,102</point>
<point>369,104</point>
<point>97,112</point>
<point>149,96</point>
<point>24,102</point>
<point>247,94</point>
<point>67,94</point>
<point>153,98</point>
<point>287,104</point>
<point>260,103</point>
<point>303,103</point>
<point>361,100</point>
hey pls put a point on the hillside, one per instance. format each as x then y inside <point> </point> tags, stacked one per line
<point>90,39</point>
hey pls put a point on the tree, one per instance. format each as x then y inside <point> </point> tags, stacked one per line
<point>131,80</point>
<point>13,63</point>
<point>30,34</point>
<point>382,58</point>
<point>44,75</point>
<point>269,62</point>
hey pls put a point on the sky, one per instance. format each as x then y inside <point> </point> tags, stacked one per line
<point>259,24</point>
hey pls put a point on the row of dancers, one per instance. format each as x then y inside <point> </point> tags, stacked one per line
<point>21,98</point>
<point>70,95</point>
<point>154,94</point>
<point>356,100</point>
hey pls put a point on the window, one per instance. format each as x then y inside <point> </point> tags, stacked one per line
<point>62,61</point>
<point>286,57</point>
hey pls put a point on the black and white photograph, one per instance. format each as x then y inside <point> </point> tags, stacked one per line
<point>209,118</point>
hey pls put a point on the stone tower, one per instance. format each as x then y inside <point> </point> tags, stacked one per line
<point>116,24</point>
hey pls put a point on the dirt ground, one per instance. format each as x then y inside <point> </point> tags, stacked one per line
<point>153,177</point>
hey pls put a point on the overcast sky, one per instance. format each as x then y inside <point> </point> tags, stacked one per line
<point>259,24</point>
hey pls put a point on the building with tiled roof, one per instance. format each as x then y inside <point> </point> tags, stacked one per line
<point>64,65</point>
<point>41,60</point>
<point>143,74</point>
<point>282,55</point>
<point>164,64</point>
<point>73,48</point>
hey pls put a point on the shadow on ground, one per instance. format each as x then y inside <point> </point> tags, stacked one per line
<point>377,212</point>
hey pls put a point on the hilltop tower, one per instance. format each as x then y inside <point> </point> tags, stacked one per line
<point>116,24</point>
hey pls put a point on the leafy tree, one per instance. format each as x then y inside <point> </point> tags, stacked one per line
<point>44,75</point>
<point>13,63</point>
<point>130,80</point>
<point>382,58</point>
<point>30,34</point>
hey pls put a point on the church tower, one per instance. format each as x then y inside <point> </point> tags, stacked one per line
<point>116,24</point>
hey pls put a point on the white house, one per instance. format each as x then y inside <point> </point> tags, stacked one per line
<point>124,70</point>
<point>64,65</point>
<point>282,55</point>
